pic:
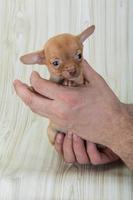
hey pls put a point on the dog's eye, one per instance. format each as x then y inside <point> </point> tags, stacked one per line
<point>78,55</point>
<point>56,63</point>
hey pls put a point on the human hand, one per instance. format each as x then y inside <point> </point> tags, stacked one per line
<point>76,150</point>
<point>92,111</point>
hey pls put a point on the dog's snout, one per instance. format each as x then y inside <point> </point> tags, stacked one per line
<point>73,72</point>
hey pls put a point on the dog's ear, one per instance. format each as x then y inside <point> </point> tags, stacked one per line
<point>37,57</point>
<point>86,33</point>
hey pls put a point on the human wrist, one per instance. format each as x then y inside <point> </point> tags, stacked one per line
<point>122,140</point>
<point>125,147</point>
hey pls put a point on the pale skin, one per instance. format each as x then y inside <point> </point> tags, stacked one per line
<point>90,113</point>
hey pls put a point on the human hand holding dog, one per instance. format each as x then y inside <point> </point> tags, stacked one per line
<point>92,111</point>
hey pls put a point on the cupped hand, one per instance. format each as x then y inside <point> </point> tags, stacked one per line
<point>76,150</point>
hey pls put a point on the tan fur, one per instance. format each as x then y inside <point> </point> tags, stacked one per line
<point>64,49</point>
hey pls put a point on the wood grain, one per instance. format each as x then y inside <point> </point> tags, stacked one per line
<point>29,166</point>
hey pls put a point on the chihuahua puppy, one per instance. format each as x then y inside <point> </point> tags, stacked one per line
<point>62,54</point>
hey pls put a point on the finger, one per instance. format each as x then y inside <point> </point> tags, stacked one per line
<point>89,73</point>
<point>94,154</point>
<point>68,152</point>
<point>80,150</point>
<point>59,143</point>
<point>45,87</point>
<point>110,154</point>
<point>37,103</point>
<point>98,157</point>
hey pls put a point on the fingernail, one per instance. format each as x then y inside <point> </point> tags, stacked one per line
<point>75,137</point>
<point>59,138</point>
<point>69,135</point>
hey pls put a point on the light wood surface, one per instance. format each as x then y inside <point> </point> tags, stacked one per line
<point>30,169</point>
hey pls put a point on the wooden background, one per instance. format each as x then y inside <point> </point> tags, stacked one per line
<point>29,167</point>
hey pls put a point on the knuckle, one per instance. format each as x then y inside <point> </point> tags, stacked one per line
<point>28,99</point>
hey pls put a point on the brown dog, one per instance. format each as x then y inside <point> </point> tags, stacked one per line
<point>63,55</point>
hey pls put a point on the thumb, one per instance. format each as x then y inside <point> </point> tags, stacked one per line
<point>89,73</point>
